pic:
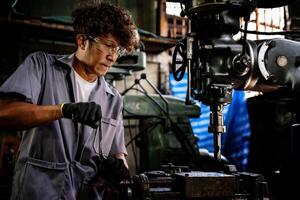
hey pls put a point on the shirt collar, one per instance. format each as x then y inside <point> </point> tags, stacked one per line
<point>66,59</point>
<point>69,59</point>
<point>106,86</point>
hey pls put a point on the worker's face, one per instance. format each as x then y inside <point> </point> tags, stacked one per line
<point>100,53</point>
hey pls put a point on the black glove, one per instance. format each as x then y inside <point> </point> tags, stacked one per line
<point>114,171</point>
<point>88,113</point>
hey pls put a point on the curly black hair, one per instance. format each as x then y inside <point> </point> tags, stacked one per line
<point>101,18</point>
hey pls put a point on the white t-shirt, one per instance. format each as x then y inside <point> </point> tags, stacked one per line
<point>84,88</point>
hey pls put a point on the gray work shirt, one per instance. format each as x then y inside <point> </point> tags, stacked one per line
<point>56,160</point>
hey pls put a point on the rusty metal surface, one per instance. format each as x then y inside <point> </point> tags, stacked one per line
<point>205,184</point>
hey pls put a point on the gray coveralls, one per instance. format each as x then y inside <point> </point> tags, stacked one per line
<point>55,160</point>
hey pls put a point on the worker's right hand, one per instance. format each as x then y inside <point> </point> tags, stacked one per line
<point>88,113</point>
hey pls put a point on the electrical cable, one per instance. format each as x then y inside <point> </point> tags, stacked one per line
<point>133,146</point>
<point>142,132</point>
<point>180,135</point>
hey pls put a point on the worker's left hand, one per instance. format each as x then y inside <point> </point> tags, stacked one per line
<point>114,171</point>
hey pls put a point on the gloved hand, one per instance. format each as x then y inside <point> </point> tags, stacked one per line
<point>114,171</point>
<point>88,113</point>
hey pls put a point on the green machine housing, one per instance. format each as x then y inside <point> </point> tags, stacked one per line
<point>157,141</point>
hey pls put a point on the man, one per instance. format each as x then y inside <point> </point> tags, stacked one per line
<point>73,137</point>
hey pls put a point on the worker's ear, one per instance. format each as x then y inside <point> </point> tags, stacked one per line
<point>81,41</point>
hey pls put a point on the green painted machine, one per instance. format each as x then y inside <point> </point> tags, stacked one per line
<point>165,134</point>
<point>157,126</point>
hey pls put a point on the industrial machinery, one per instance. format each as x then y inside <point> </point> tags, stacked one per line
<point>180,183</point>
<point>216,63</point>
<point>165,136</point>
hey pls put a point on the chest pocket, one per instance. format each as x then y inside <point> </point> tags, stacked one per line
<point>104,139</point>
